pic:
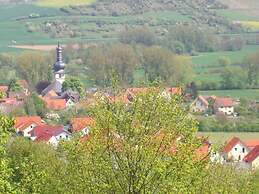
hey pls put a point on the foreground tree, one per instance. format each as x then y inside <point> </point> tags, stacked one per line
<point>6,186</point>
<point>148,146</point>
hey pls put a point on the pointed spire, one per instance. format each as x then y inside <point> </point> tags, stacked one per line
<point>59,53</point>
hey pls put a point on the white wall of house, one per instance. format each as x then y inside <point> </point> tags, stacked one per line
<point>226,110</point>
<point>238,152</point>
<point>54,140</point>
<point>199,106</point>
<point>255,163</point>
<point>70,103</point>
<point>28,129</point>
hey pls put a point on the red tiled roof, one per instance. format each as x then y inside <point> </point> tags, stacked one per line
<point>22,121</point>
<point>174,90</point>
<point>203,151</point>
<point>231,143</point>
<point>55,104</point>
<point>252,155</point>
<point>252,143</point>
<point>224,102</point>
<point>3,89</point>
<point>10,101</point>
<point>45,132</point>
<point>78,124</point>
<point>23,83</point>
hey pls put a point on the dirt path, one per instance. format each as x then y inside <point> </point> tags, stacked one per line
<point>47,47</point>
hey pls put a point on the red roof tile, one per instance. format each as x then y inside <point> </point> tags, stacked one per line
<point>45,132</point>
<point>174,90</point>
<point>3,89</point>
<point>21,121</point>
<point>231,143</point>
<point>224,102</point>
<point>78,124</point>
<point>252,155</point>
<point>55,104</point>
<point>252,143</point>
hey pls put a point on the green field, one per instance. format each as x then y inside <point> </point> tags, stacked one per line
<point>220,138</point>
<point>237,15</point>
<point>62,3</point>
<point>237,94</point>
<point>207,66</point>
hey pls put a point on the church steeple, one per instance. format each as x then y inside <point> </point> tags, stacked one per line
<point>59,66</point>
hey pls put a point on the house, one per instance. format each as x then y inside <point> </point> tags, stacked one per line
<point>49,134</point>
<point>224,106</point>
<point>4,89</point>
<point>7,105</point>
<point>81,125</point>
<point>55,104</point>
<point>235,150</point>
<point>252,143</point>
<point>201,103</point>
<point>24,125</point>
<point>251,160</point>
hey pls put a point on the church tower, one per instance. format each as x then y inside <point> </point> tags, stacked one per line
<point>59,66</point>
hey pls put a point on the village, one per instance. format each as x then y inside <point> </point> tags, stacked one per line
<point>243,154</point>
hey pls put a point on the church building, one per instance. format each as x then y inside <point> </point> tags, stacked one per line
<point>53,95</point>
<point>55,88</point>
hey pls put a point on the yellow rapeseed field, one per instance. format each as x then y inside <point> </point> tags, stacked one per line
<point>251,24</point>
<point>62,3</point>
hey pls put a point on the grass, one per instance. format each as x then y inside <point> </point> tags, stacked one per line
<point>63,3</point>
<point>207,66</point>
<point>237,94</point>
<point>220,138</point>
<point>237,15</point>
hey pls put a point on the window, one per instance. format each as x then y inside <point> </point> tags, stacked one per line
<point>235,149</point>
<point>243,150</point>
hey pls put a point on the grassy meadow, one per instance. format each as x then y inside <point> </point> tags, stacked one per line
<point>207,65</point>
<point>237,94</point>
<point>220,138</point>
<point>62,3</point>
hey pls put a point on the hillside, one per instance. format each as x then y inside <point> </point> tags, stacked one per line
<point>241,4</point>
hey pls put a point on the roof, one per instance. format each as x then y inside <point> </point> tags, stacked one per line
<point>3,89</point>
<point>252,155</point>
<point>78,124</point>
<point>10,101</point>
<point>231,143</point>
<point>174,90</point>
<point>20,122</point>
<point>252,143</point>
<point>224,102</point>
<point>45,132</point>
<point>55,104</point>
<point>203,151</point>
<point>23,83</point>
<point>55,86</point>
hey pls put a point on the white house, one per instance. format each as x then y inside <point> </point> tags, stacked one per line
<point>50,134</point>
<point>235,150</point>
<point>81,125</point>
<point>24,125</point>
<point>224,105</point>
<point>201,103</point>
